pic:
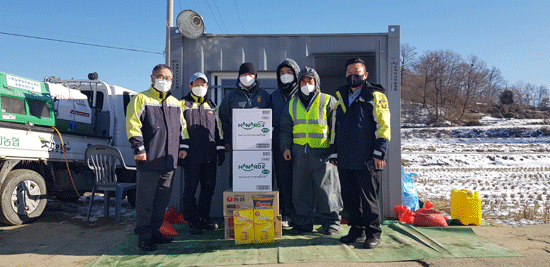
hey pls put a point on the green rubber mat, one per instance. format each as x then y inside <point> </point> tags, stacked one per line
<point>400,242</point>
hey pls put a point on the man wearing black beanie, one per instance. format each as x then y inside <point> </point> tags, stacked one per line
<point>246,95</point>
<point>247,67</point>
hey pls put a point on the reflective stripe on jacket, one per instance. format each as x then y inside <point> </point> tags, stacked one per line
<point>155,126</point>
<point>204,127</point>
<point>311,126</point>
<point>362,130</point>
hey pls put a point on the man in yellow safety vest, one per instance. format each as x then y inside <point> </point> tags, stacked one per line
<point>305,139</point>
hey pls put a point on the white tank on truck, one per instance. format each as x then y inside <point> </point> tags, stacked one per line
<point>72,112</point>
<point>45,128</point>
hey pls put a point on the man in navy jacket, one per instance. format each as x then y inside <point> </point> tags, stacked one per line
<point>248,94</point>
<point>362,134</point>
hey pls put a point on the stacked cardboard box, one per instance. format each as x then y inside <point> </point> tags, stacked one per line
<point>252,176</point>
<point>233,201</point>
<point>237,200</point>
<point>252,141</point>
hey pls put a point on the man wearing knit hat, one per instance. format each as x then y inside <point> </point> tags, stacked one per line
<point>248,94</point>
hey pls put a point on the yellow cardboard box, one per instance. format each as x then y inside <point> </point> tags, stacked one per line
<point>230,227</point>
<point>243,221</point>
<point>264,225</point>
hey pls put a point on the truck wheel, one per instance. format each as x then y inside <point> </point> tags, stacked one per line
<point>23,197</point>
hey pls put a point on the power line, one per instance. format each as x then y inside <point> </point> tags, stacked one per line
<point>239,15</point>
<point>71,42</point>
<point>221,18</point>
<point>214,15</point>
<point>63,34</point>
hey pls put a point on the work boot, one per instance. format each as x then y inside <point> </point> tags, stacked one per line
<point>160,239</point>
<point>355,234</point>
<point>286,221</point>
<point>371,243</point>
<point>195,227</point>
<point>207,224</point>
<point>329,231</point>
<point>296,230</point>
<point>147,245</point>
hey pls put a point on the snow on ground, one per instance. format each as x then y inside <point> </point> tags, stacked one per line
<point>77,210</point>
<point>506,161</point>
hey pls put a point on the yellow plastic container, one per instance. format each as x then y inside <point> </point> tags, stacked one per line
<point>243,221</point>
<point>466,206</point>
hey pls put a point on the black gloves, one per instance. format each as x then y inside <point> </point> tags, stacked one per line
<point>221,157</point>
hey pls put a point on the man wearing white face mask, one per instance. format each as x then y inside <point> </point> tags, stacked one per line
<point>248,94</point>
<point>157,132</point>
<point>288,86</point>
<point>206,148</point>
<point>306,132</point>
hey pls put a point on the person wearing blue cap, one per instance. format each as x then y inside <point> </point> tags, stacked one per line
<point>205,149</point>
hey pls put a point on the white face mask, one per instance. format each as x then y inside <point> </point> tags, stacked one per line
<point>162,85</point>
<point>287,78</point>
<point>199,91</point>
<point>246,80</point>
<point>307,89</point>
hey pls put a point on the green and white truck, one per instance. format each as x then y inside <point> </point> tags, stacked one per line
<point>45,128</point>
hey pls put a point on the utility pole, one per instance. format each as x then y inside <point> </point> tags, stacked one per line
<point>169,24</point>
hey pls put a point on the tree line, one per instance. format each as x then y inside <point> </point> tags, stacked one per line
<point>453,88</point>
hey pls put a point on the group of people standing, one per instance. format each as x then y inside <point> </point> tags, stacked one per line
<point>327,152</point>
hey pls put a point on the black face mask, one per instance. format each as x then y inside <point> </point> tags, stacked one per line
<point>355,80</point>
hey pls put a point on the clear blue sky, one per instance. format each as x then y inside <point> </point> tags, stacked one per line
<point>511,35</point>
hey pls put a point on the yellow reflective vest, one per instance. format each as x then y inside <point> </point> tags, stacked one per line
<point>311,126</point>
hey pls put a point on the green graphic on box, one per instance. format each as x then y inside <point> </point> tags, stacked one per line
<point>252,125</point>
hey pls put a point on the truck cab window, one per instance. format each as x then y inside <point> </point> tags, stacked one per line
<point>99,100</point>
<point>126,96</point>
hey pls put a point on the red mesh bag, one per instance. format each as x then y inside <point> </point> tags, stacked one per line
<point>429,217</point>
<point>404,214</point>
<point>428,205</point>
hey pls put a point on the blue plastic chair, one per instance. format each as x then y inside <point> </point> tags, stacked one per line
<point>102,160</point>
